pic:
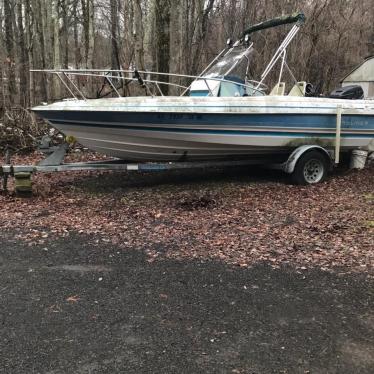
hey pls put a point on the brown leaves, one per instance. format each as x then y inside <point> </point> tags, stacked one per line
<point>235,222</point>
<point>73,299</point>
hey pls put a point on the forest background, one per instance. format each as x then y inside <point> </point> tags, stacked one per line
<point>173,36</point>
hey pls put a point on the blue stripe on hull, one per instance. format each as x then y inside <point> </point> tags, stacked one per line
<point>214,132</point>
<point>284,121</point>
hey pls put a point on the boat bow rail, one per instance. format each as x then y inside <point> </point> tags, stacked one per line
<point>70,80</point>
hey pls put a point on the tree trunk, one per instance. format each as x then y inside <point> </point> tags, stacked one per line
<point>23,61</point>
<point>89,39</point>
<point>371,40</point>
<point>65,34</point>
<point>10,51</point>
<point>2,88</point>
<point>56,48</point>
<point>138,35</point>
<point>30,47</point>
<point>203,28</point>
<point>175,44</point>
<point>77,54</point>
<point>162,22</point>
<point>115,64</point>
<point>91,34</point>
<point>48,31</point>
<point>149,37</point>
<point>40,52</point>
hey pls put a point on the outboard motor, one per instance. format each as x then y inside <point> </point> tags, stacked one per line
<point>353,92</point>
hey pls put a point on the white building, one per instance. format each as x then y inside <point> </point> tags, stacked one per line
<point>362,75</point>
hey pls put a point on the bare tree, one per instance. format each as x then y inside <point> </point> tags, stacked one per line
<point>40,58</point>
<point>75,20</point>
<point>24,64</point>
<point>9,15</point>
<point>115,63</point>
<point>65,33</point>
<point>176,42</point>
<point>204,12</point>
<point>29,48</point>
<point>162,23</point>
<point>89,33</point>
<point>371,40</point>
<point>56,47</point>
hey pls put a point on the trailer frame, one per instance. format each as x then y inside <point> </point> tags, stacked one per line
<point>54,162</point>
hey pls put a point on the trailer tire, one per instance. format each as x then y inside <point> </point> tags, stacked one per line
<point>311,168</point>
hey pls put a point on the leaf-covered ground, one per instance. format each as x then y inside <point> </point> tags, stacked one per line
<point>241,216</point>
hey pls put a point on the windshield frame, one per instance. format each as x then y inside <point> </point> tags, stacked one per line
<point>243,53</point>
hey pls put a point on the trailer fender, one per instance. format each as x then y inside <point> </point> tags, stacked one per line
<point>290,164</point>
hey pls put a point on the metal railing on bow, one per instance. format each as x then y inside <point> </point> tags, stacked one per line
<point>144,79</point>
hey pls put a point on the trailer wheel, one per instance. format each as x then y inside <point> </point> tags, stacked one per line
<point>311,168</point>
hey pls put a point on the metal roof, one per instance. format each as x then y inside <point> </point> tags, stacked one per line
<point>362,73</point>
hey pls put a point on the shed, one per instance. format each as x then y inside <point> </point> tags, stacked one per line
<point>362,75</point>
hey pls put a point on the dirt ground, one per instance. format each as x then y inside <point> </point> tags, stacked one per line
<point>215,271</point>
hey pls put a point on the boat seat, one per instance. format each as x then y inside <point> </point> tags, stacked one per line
<point>278,90</point>
<point>299,89</point>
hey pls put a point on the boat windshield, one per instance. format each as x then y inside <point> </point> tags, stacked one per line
<point>234,62</point>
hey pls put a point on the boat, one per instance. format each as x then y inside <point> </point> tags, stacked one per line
<point>221,115</point>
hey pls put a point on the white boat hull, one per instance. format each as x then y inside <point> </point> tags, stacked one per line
<point>175,129</point>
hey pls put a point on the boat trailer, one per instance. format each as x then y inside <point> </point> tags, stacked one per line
<point>54,163</point>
